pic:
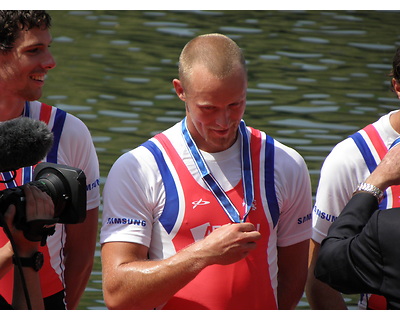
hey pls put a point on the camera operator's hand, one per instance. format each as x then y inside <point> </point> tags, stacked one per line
<point>39,206</point>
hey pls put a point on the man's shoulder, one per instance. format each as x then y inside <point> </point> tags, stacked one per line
<point>343,151</point>
<point>60,121</point>
<point>37,106</point>
<point>284,152</point>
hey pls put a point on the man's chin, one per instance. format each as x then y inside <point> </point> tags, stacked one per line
<point>33,96</point>
<point>219,145</point>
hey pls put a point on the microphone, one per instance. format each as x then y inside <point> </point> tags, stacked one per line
<point>23,143</point>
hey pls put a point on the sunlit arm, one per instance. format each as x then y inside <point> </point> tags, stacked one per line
<point>6,253</point>
<point>130,281</point>
<point>79,256</point>
<point>292,275</point>
<point>321,296</point>
<point>144,284</point>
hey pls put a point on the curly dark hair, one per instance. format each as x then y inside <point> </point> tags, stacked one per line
<point>395,73</point>
<point>13,21</point>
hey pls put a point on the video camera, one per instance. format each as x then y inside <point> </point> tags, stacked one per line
<point>24,143</point>
<point>67,188</point>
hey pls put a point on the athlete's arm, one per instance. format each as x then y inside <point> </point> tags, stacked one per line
<point>6,253</point>
<point>321,296</point>
<point>38,206</point>
<point>131,281</point>
<point>339,176</point>
<point>80,238</point>
<point>292,274</point>
<point>79,254</point>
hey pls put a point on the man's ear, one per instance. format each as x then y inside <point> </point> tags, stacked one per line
<point>396,87</point>
<point>179,89</point>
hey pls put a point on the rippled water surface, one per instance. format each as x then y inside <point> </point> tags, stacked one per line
<point>314,78</point>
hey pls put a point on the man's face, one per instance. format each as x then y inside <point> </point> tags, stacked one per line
<point>214,107</point>
<point>23,69</point>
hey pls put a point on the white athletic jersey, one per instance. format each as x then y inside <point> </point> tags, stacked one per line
<point>342,171</point>
<point>134,193</point>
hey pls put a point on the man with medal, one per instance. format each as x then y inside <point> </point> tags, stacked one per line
<point>209,214</point>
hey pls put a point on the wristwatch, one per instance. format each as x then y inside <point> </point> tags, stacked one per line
<point>375,191</point>
<point>35,262</point>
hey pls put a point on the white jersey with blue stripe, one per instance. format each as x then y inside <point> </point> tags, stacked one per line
<point>134,193</point>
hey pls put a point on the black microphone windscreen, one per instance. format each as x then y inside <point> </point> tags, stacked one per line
<point>23,143</point>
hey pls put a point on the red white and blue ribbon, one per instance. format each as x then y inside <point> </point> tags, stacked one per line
<point>213,185</point>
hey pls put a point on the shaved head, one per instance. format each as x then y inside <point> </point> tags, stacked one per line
<point>217,53</point>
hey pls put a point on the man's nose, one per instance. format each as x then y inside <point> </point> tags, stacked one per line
<point>49,62</point>
<point>223,118</point>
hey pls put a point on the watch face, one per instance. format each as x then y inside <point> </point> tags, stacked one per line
<point>35,262</point>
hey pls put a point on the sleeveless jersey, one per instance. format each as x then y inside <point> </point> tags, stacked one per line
<point>373,149</point>
<point>191,212</point>
<point>51,274</point>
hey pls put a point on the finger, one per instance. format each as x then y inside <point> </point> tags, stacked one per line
<point>9,215</point>
<point>30,205</point>
<point>48,207</point>
<point>38,203</point>
<point>249,233</point>
<point>252,236</point>
<point>246,227</point>
<point>28,193</point>
<point>250,245</point>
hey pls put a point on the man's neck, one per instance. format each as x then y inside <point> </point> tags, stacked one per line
<point>11,109</point>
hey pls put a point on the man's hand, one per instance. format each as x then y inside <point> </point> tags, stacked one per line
<point>387,173</point>
<point>38,206</point>
<point>229,243</point>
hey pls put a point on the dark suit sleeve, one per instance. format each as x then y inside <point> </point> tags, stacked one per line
<point>350,258</point>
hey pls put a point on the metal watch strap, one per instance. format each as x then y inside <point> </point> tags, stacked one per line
<point>366,187</point>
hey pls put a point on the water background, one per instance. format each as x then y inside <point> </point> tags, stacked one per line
<point>314,78</point>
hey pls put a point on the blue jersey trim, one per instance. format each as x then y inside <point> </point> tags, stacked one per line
<point>270,180</point>
<point>58,125</point>
<point>169,215</point>
<point>365,151</point>
<point>368,158</point>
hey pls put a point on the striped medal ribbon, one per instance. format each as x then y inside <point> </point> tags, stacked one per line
<point>212,183</point>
